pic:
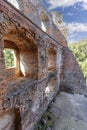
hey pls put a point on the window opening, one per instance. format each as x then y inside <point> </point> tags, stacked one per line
<point>10,60</point>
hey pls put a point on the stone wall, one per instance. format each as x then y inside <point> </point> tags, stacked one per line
<point>31,98</point>
<point>58,21</point>
<point>7,121</point>
<point>37,13</point>
<point>27,89</point>
<point>2,73</point>
<point>72,78</point>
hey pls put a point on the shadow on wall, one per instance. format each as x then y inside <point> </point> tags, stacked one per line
<point>17,121</point>
<point>11,120</point>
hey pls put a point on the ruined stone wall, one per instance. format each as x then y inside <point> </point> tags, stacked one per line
<point>28,96</point>
<point>26,91</point>
<point>58,21</point>
<point>25,97</point>
<point>31,98</point>
<point>27,8</point>
<point>3,83</point>
<point>72,79</point>
<point>36,12</point>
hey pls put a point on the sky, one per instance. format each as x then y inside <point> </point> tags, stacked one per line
<point>74,16</point>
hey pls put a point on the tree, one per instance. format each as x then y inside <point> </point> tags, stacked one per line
<point>9,58</point>
<point>80,51</point>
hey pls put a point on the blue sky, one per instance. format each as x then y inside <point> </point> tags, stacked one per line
<point>75,16</point>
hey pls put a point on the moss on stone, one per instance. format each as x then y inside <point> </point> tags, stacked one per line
<point>46,121</point>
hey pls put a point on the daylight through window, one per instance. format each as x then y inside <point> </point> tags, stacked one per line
<point>9,56</point>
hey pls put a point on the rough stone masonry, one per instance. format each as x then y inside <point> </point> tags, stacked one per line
<point>44,64</point>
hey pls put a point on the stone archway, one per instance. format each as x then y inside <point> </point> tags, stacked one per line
<point>45,23</point>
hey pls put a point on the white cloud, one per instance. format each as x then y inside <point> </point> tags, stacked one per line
<point>74,29</point>
<point>72,37</point>
<point>84,6</point>
<point>70,14</point>
<point>77,27</point>
<point>66,3</point>
<point>71,40</point>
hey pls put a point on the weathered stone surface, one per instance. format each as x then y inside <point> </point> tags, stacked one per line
<point>72,79</point>
<point>7,121</point>
<point>35,11</point>
<point>27,89</point>
<point>58,21</point>
<point>70,111</point>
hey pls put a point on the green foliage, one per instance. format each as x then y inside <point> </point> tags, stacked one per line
<point>9,58</point>
<point>46,121</point>
<point>80,51</point>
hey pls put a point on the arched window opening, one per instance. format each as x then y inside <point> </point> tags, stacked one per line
<point>14,3</point>
<point>51,60</point>
<point>11,58</point>
<point>44,22</point>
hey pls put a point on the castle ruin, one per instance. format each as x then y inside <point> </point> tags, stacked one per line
<point>44,64</point>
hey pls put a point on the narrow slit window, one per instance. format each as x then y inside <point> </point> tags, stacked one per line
<point>10,60</point>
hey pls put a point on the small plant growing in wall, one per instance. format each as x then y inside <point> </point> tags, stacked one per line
<point>47,121</point>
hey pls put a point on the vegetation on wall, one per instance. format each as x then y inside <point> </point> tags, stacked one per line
<point>9,58</point>
<point>46,122</point>
<point>80,51</point>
